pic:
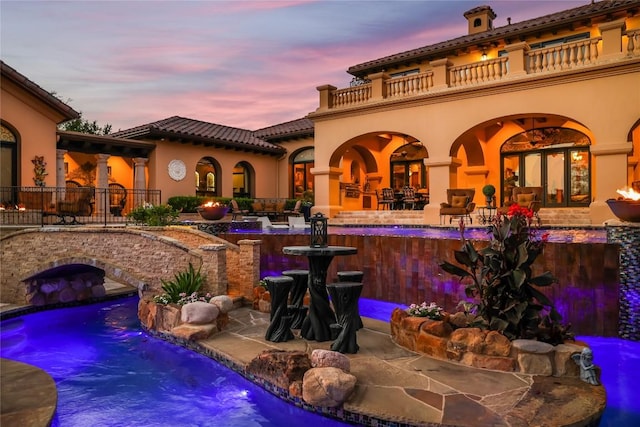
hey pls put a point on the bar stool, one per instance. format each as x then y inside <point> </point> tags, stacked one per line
<point>356,277</point>
<point>279,329</point>
<point>297,310</point>
<point>344,296</point>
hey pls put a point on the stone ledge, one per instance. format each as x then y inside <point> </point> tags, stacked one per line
<point>483,349</point>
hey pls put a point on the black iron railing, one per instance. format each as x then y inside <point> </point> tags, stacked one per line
<point>71,205</point>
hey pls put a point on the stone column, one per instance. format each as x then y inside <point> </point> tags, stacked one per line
<point>102,183</point>
<point>327,190</point>
<point>326,100</point>
<point>60,175</point>
<point>612,39</point>
<point>607,157</point>
<point>517,58</point>
<point>440,73</point>
<point>247,274</point>
<point>140,182</point>
<point>214,268</point>
<point>442,175</point>
<point>378,86</point>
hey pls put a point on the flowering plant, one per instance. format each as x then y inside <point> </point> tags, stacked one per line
<point>500,282</point>
<point>183,288</point>
<point>432,311</point>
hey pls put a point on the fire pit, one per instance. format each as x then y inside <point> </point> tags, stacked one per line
<point>627,207</point>
<point>212,211</point>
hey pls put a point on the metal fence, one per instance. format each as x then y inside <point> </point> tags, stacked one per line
<point>71,205</point>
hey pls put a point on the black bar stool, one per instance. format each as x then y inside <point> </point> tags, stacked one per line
<point>344,296</point>
<point>297,309</point>
<point>279,329</point>
<point>356,277</point>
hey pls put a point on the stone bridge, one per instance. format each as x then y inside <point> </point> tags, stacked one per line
<point>140,257</point>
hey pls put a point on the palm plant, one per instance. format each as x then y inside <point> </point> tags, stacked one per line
<point>184,283</point>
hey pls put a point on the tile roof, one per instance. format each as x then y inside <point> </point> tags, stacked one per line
<point>300,128</point>
<point>65,110</point>
<point>199,132</point>
<point>511,31</point>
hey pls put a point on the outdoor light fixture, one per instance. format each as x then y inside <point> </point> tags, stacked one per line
<point>318,231</point>
<point>484,55</point>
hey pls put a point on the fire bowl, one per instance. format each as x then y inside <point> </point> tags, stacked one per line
<point>624,209</point>
<point>212,213</point>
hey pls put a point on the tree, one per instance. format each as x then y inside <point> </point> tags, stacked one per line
<point>85,126</point>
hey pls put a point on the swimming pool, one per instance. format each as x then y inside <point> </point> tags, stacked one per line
<point>106,369</point>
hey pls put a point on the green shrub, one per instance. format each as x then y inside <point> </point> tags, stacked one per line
<point>154,215</point>
<point>183,288</point>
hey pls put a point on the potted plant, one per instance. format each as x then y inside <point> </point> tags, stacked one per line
<point>489,191</point>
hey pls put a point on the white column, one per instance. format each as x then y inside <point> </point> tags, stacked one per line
<point>102,183</point>
<point>326,188</point>
<point>60,175</point>
<point>442,175</point>
<point>140,182</point>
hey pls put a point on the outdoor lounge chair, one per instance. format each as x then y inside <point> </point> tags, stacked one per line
<point>527,197</point>
<point>459,204</point>
<point>236,211</point>
<point>266,223</point>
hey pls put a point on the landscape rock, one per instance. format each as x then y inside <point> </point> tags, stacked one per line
<point>223,302</point>
<point>199,312</point>
<point>327,387</point>
<point>280,367</point>
<point>327,358</point>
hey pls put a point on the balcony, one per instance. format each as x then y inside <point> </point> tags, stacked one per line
<point>519,62</point>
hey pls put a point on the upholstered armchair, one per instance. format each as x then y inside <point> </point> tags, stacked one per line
<point>459,204</point>
<point>527,197</point>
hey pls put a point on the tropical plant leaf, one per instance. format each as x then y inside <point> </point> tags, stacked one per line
<point>454,269</point>
<point>545,279</point>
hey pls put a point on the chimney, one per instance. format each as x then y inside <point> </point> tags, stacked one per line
<point>480,19</point>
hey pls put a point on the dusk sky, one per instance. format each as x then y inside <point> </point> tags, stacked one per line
<point>247,64</point>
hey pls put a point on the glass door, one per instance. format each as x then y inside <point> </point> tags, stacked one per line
<point>555,179</point>
<point>579,177</point>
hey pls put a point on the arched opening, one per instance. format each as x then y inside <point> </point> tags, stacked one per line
<point>407,167</point>
<point>8,165</point>
<point>302,180</point>
<point>242,180</point>
<point>555,158</point>
<point>207,177</point>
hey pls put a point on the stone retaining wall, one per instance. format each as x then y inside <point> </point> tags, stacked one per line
<point>483,349</point>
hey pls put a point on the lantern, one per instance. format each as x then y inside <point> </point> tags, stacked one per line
<point>318,231</point>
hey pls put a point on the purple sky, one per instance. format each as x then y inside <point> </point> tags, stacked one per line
<point>247,64</point>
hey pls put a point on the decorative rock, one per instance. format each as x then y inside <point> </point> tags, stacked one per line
<point>257,296</point>
<point>327,358</point>
<point>223,302</point>
<point>193,332</point>
<point>489,362</point>
<point>466,339</point>
<point>222,320</point>
<point>67,295</point>
<point>264,306</point>
<point>531,346</point>
<point>167,317</point>
<point>295,389</point>
<point>563,363</point>
<point>438,328</point>
<point>199,312</point>
<point>48,288</point>
<point>280,367</point>
<point>496,344</point>
<point>147,313</point>
<point>327,387</point>
<point>431,345</point>
<point>98,291</point>
<point>461,320</point>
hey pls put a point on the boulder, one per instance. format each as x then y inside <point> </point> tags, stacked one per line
<point>199,312</point>
<point>223,302</point>
<point>193,332</point>
<point>327,358</point>
<point>327,387</point>
<point>280,367</point>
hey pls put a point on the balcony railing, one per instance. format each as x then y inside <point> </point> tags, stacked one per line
<point>614,44</point>
<point>71,205</point>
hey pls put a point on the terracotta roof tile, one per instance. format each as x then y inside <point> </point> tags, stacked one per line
<point>520,29</point>
<point>65,110</point>
<point>197,131</point>
<point>299,128</point>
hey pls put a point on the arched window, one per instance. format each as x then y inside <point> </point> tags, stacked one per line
<point>207,172</point>
<point>407,167</point>
<point>556,159</point>
<point>8,164</point>
<point>302,180</point>
<point>242,180</point>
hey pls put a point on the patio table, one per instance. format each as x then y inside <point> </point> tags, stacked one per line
<point>317,325</point>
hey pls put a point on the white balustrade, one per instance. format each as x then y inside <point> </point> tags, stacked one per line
<point>564,56</point>
<point>633,44</point>
<point>411,85</point>
<point>478,72</point>
<point>351,96</point>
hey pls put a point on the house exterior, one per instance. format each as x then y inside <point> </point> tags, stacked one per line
<point>551,102</point>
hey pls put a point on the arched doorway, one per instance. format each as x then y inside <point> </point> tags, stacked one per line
<point>242,180</point>
<point>554,158</point>
<point>407,167</point>
<point>8,164</point>
<point>207,177</point>
<point>301,179</point>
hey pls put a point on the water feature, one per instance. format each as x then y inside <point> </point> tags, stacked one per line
<point>110,373</point>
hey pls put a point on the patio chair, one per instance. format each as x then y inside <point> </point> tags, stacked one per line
<point>236,211</point>
<point>527,197</point>
<point>459,204</point>
<point>117,198</point>
<point>387,199</point>
<point>408,197</point>
<point>295,211</point>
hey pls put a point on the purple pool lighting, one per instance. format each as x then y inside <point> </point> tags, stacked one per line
<point>109,372</point>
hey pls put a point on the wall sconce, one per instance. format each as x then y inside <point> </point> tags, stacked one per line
<point>318,231</point>
<point>484,56</point>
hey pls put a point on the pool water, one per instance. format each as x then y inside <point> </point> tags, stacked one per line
<point>110,373</point>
